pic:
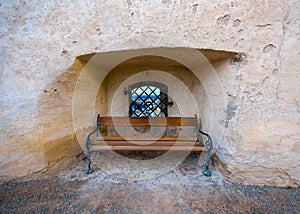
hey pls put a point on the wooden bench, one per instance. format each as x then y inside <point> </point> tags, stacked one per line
<point>148,143</point>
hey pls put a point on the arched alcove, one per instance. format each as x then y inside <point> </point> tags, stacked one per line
<point>188,73</point>
<point>97,83</point>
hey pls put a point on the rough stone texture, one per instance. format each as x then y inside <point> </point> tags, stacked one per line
<point>40,40</point>
<point>183,190</point>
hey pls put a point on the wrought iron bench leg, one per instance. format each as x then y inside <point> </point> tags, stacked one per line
<point>209,146</point>
<point>194,155</point>
<point>207,171</point>
<point>89,170</point>
<point>88,144</point>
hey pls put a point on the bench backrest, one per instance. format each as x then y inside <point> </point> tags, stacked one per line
<point>146,121</point>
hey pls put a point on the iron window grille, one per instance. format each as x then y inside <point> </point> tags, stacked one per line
<point>148,99</point>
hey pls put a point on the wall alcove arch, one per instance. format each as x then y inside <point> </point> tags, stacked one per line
<point>100,84</point>
<point>95,81</point>
<point>192,82</point>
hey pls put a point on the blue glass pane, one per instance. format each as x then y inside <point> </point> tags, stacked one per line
<point>145,102</point>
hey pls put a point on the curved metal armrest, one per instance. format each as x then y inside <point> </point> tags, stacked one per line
<point>208,142</point>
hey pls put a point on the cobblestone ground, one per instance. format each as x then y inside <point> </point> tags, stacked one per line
<point>183,190</point>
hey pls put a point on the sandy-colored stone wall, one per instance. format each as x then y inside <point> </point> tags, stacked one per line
<point>40,41</point>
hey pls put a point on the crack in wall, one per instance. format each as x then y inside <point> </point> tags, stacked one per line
<point>283,24</point>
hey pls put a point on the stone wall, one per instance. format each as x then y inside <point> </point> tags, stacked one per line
<point>40,41</point>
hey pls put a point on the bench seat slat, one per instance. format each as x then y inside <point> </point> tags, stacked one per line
<point>146,143</point>
<point>148,148</point>
<point>146,138</point>
<point>146,121</point>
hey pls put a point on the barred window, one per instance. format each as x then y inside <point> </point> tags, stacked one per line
<point>148,99</point>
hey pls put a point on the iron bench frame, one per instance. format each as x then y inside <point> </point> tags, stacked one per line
<point>164,143</point>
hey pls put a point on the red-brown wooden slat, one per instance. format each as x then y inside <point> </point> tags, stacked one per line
<point>146,121</point>
<point>148,148</point>
<point>146,138</point>
<point>146,143</point>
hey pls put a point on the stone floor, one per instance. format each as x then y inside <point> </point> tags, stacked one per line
<point>182,190</point>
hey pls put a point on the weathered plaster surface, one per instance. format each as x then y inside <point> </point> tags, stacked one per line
<point>40,40</point>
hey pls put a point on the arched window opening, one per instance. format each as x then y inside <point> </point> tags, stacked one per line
<point>148,99</point>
